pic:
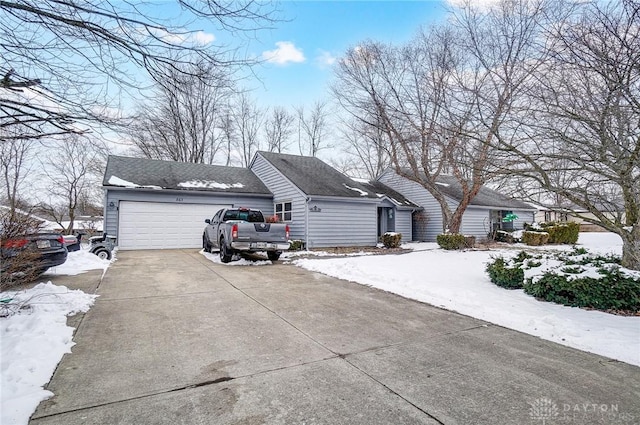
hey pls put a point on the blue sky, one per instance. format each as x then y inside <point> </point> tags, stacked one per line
<point>301,48</point>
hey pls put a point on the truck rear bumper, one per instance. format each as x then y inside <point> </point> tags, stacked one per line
<point>259,246</point>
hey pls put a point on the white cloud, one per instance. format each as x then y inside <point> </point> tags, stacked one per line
<point>325,58</point>
<point>285,52</point>
<point>199,38</point>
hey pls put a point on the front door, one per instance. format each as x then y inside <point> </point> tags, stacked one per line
<point>386,220</point>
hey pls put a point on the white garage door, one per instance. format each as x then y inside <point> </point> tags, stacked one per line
<point>157,225</point>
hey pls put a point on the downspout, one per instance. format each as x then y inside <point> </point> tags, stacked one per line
<point>306,223</point>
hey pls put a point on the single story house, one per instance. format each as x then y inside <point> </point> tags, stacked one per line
<point>325,207</point>
<point>485,214</point>
<point>152,204</point>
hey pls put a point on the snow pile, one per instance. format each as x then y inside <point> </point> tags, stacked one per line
<point>241,262</point>
<point>457,281</point>
<point>79,262</point>
<point>34,338</point>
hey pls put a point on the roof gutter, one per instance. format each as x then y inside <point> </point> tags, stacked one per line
<point>186,191</point>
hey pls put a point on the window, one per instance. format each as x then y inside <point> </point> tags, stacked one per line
<point>547,216</point>
<point>283,211</point>
<point>507,218</point>
<point>244,215</point>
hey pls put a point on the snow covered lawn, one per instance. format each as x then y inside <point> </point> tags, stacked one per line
<point>35,336</point>
<point>457,281</point>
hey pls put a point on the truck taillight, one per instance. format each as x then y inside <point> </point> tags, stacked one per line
<point>61,239</point>
<point>286,231</point>
<point>234,231</point>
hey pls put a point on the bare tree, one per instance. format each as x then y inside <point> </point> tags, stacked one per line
<point>71,181</point>
<point>87,52</point>
<point>367,146</point>
<point>585,130</point>
<point>15,160</point>
<point>444,98</point>
<point>246,122</point>
<point>314,126</point>
<point>278,128</point>
<point>181,122</point>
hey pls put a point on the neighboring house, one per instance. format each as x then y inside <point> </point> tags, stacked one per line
<point>484,215</point>
<point>152,204</point>
<point>43,224</point>
<point>326,208</point>
<point>573,213</point>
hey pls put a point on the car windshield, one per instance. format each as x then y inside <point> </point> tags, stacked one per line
<point>250,216</point>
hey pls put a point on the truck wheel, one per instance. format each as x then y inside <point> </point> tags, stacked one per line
<point>273,255</point>
<point>206,246</point>
<point>103,253</point>
<point>225,255</point>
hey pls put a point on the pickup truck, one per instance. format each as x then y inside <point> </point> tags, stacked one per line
<point>244,230</point>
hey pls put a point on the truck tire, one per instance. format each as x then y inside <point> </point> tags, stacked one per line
<point>225,255</point>
<point>206,246</point>
<point>273,255</point>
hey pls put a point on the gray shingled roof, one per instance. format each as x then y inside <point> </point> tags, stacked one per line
<point>381,189</point>
<point>486,197</point>
<point>139,173</point>
<point>314,177</point>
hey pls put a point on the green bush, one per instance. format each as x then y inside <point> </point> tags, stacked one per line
<point>391,240</point>
<point>451,241</point>
<point>296,245</point>
<point>506,277</point>
<point>502,236</point>
<point>614,290</point>
<point>535,238</point>
<point>562,233</point>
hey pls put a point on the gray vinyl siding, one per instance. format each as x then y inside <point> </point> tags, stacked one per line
<point>342,223</point>
<point>283,191</point>
<point>476,222</point>
<point>263,203</point>
<point>419,195</point>
<point>403,224</point>
<point>523,217</point>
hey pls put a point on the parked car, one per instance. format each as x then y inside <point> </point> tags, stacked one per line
<point>71,242</point>
<point>32,254</point>
<point>243,230</point>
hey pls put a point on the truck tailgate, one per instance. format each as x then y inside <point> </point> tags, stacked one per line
<point>262,232</point>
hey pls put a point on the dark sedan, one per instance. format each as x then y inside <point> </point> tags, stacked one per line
<point>32,254</point>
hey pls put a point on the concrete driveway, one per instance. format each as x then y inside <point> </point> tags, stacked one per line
<point>176,339</point>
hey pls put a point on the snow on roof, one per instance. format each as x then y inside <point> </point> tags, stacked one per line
<point>209,184</point>
<point>117,181</point>
<point>442,184</point>
<point>359,180</point>
<point>362,192</point>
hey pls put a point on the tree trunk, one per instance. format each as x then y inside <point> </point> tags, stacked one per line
<point>631,249</point>
<point>455,223</point>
